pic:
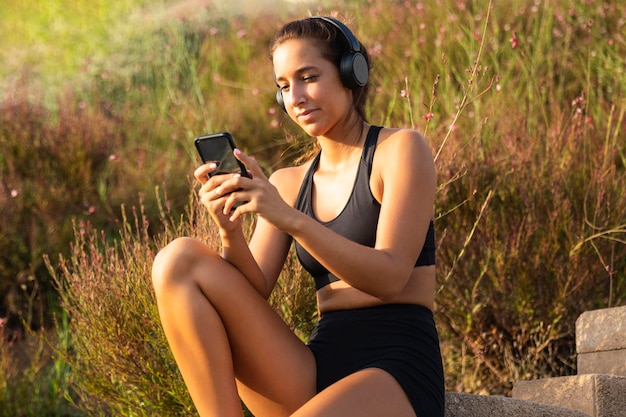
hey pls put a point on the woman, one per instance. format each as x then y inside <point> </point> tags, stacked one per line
<point>360,213</point>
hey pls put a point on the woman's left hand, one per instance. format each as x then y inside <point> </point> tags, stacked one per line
<point>256,194</point>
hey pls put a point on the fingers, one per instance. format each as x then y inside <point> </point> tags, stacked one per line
<point>212,188</point>
<point>228,194</point>
<point>222,193</point>
<point>202,172</point>
<point>253,167</point>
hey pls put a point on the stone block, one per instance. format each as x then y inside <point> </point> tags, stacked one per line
<point>601,330</point>
<point>594,394</point>
<point>470,405</point>
<point>610,362</point>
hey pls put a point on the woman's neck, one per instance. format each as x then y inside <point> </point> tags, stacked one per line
<point>340,146</point>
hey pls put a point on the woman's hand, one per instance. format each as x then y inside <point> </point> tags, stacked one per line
<point>213,196</point>
<point>254,194</point>
<point>257,193</point>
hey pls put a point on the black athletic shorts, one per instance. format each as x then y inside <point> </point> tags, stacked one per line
<point>401,339</point>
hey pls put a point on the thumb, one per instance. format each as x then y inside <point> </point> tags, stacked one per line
<point>253,167</point>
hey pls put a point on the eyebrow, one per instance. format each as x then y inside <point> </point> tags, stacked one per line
<point>301,71</point>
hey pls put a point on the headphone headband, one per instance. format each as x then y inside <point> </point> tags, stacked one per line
<point>353,42</point>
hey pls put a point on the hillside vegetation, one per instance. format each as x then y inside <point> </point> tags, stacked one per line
<point>523,104</point>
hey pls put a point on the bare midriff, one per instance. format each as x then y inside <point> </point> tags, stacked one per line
<point>420,289</point>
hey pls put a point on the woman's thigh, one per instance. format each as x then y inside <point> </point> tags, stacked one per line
<point>371,392</point>
<point>274,369</point>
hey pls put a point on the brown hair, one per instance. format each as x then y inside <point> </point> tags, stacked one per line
<point>332,44</point>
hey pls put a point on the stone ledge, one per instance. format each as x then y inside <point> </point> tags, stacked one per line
<point>609,362</point>
<point>594,394</point>
<point>600,330</point>
<point>470,405</point>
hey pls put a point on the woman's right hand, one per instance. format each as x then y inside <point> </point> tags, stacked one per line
<point>212,198</point>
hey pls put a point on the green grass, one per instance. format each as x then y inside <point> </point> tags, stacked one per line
<point>51,42</point>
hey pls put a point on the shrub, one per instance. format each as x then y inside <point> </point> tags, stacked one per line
<point>33,382</point>
<point>51,166</point>
<point>118,353</point>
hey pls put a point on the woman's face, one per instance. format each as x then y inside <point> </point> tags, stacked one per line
<point>313,93</point>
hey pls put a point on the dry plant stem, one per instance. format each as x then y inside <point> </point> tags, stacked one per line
<point>433,99</point>
<point>477,350</point>
<point>614,233</point>
<point>467,240</point>
<point>408,98</point>
<point>465,100</point>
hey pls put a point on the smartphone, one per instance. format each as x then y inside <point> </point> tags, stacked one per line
<point>218,148</point>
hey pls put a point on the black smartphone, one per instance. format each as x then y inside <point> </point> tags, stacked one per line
<point>218,148</point>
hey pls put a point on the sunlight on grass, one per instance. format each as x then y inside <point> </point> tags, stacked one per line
<point>53,38</point>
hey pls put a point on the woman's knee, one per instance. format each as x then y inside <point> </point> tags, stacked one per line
<point>175,262</point>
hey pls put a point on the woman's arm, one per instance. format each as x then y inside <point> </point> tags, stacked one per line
<point>261,269</point>
<point>403,178</point>
<point>271,245</point>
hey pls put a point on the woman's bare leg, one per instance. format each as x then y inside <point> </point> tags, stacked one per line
<point>371,392</point>
<point>219,328</point>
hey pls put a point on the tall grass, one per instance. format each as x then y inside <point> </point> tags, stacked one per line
<point>523,104</point>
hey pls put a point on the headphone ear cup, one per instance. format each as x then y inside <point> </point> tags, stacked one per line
<point>353,70</point>
<point>280,101</point>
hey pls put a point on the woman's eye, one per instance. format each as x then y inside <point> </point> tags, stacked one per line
<point>309,78</point>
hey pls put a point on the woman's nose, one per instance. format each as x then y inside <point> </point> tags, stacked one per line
<point>297,96</point>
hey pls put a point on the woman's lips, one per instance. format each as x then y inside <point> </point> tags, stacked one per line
<point>304,115</point>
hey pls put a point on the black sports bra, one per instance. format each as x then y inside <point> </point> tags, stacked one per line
<point>359,218</point>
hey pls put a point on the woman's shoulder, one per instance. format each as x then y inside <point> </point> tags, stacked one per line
<point>401,140</point>
<point>397,135</point>
<point>409,150</point>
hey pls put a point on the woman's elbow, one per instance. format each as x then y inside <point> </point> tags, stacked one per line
<point>391,290</point>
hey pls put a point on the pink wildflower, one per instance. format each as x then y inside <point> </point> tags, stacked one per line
<point>376,50</point>
<point>428,116</point>
<point>514,42</point>
<point>404,93</point>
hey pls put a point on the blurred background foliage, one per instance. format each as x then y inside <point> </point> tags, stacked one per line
<point>522,102</point>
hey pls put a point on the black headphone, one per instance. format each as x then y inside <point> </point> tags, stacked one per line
<point>353,68</point>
